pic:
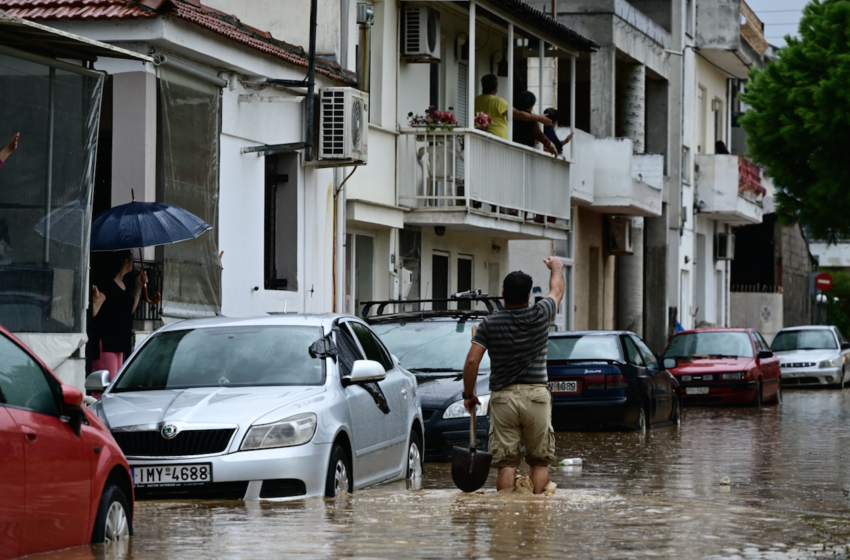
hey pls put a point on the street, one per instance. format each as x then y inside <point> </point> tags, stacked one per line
<point>658,494</point>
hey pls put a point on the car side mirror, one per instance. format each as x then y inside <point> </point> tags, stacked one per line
<point>670,363</point>
<point>72,402</point>
<point>765,355</point>
<point>845,345</point>
<point>98,381</point>
<point>367,370</point>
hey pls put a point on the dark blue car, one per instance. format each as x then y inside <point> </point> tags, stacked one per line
<point>609,378</point>
<point>433,345</point>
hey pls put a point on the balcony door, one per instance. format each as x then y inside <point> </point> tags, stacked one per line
<point>440,278</point>
<point>360,271</point>
<point>464,278</point>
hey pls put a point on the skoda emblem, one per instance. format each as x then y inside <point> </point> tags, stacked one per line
<point>169,431</point>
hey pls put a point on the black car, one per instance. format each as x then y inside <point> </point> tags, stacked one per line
<point>609,378</point>
<point>433,344</point>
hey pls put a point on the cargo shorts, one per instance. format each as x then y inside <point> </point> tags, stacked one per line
<point>522,413</point>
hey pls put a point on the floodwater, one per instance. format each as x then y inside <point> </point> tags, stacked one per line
<point>636,496</point>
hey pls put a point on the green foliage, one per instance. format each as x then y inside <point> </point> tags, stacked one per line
<point>798,126</point>
<point>838,312</point>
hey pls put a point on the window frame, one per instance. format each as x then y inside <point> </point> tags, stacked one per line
<point>645,352</point>
<point>381,348</point>
<point>625,341</point>
<point>54,385</point>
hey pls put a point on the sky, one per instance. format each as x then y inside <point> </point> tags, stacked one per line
<point>780,17</point>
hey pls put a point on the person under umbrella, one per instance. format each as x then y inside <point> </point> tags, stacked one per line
<point>113,305</point>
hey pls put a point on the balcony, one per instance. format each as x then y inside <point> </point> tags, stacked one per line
<point>729,189</point>
<point>727,42</point>
<point>468,180</point>
<point>625,182</point>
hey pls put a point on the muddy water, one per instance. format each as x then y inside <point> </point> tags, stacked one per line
<point>653,495</point>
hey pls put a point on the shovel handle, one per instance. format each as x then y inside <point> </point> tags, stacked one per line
<point>472,427</point>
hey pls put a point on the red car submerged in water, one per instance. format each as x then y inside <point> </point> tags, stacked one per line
<point>63,480</point>
<point>724,366</point>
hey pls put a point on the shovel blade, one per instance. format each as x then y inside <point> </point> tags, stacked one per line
<point>470,468</point>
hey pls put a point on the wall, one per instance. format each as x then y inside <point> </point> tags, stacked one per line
<point>594,273</point>
<point>759,311</point>
<point>796,263</point>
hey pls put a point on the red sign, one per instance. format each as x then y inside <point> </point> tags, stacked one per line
<point>823,281</point>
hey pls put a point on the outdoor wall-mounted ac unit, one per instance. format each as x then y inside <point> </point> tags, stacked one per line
<point>724,246</point>
<point>422,34</point>
<point>344,125</point>
<point>620,235</point>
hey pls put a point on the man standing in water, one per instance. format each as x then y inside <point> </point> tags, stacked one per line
<point>520,402</point>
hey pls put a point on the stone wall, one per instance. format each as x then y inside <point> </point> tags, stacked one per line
<point>760,311</point>
<point>794,264</point>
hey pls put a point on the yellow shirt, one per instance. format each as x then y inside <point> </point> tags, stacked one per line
<point>497,108</point>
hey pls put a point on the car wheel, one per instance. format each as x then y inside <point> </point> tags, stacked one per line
<point>756,402</point>
<point>113,516</point>
<point>676,415</point>
<point>414,457</point>
<point>339,477</point>
<point>778,398</point>
<point>640,421</point>
<point>840,384</point>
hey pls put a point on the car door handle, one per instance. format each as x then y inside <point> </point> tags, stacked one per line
<point>29,434</point>
<point>404,392</point>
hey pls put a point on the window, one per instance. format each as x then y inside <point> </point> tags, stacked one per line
<point>686,165</point>
<point>440,278</point>
<point>689,17</point>
<point>702,117</point>
<point>590,347</point>
<point>371,347</point>
<point>814,339</point>
<point>632,354</point>
<point>841,338</point>
<point>711,344</point>
<point>349,350</point>
<point>761,344</point>
<point>23,383</point>
<point>433,345</point>
<point>464,279</point>
<point>685,300</point>
<point>45,192</point>
<point>281,223</point>
<point>648,357</point>
<point>717,108</point>
<point>360,271</point>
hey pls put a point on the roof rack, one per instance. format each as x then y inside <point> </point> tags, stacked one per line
<point>491,303</point>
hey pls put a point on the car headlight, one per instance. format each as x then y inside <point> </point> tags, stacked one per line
<point>736,375</point>
<point>295,430</point>
<point>456,409</point>
<point>835,362</point>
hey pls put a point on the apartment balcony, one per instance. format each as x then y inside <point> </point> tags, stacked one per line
<point>730,35</point>
<point>728,189</point>
<point>467,180</point>
<point>625,182</point>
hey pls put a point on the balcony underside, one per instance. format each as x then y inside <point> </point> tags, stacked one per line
<point>472,220</point>
<point>745,212</point>
<point>638,200</point>
<point>734,62</point>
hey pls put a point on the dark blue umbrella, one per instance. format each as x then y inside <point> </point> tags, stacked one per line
<point>143,224</point>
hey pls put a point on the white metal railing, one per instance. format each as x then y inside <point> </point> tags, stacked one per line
<point>482,173</point>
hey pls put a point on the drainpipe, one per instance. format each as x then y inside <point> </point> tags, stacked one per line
<point>365,18</point>
<point>311,83</point>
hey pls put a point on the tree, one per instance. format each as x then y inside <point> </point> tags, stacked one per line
<point>838,302</point>
<point>798,126</point>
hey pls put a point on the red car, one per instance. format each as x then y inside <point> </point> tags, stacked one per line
<point>724,366</point>
<point>63,480</point>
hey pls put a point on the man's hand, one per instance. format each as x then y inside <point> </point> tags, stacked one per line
<point>552,149</point>
<point>470,404</point>
<point>543,119</point>
<point>553,263</point>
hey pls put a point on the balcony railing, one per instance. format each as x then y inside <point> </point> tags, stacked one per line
<point>473,170</point>
<point>146,311</point>
<point>729,187</point>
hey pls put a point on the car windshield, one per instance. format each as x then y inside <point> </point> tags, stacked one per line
<point>819,339</point>
<point>225,357</point>
<point>717,344</point>
<point>430,346</point>
<point>591,347</point>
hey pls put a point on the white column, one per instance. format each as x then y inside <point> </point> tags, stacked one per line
<point>471,85</point>
<point>572,104</point>
<point>510,93</point>
<point>540,61</point>
<point>134,138</point>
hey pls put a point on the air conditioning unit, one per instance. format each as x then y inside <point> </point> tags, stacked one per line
<point>724,247</point>
<point>620,235</point>
<point>422,34</point>
<point>344,125</point>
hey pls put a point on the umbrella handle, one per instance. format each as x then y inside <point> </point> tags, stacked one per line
<point>148,299</point>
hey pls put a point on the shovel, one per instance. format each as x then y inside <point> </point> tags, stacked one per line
<point>470,467</point>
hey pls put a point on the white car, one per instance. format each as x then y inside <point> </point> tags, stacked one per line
<point>813,355</point>
<point>280,406</point>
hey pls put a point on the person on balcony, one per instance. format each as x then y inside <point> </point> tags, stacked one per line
<point>528,132</point>
<point>550,133</point>
<point>497,108</point>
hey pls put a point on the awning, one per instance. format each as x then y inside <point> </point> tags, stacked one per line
<point>42,40</point>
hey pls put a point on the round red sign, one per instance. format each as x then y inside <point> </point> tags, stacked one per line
<point>823,281</point>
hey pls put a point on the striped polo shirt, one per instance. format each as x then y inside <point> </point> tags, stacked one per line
<point>517,340</point>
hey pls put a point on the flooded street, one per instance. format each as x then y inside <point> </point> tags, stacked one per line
<point>637,496</point>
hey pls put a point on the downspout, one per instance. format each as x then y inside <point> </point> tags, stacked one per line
<point>311,83</point>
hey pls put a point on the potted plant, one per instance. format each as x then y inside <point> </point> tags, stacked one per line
<point>433,119</point>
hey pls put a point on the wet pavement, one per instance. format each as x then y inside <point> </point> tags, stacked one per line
<point>636,496</point>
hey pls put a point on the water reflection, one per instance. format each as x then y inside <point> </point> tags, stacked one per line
<point>636,495</point>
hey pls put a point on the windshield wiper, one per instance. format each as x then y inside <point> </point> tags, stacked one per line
<point>435,370</point>
<point>722,356</point>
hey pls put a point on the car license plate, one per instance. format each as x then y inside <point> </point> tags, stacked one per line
<point>173,475</point>
<point>563,386</point>
<point>696,390</point>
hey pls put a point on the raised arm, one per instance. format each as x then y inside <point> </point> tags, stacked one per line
<point>523,116</point>
<point>543,139</point>
<point>556,278</point>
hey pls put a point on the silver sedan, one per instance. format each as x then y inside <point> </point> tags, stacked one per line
<point>813,355</point>
<point>284,406</point>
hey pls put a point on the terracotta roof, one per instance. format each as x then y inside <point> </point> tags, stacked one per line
<point>190,10</point>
